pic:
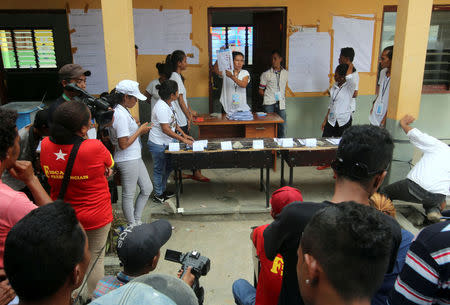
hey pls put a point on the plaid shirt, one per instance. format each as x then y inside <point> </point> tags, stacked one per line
<point>109,283</point>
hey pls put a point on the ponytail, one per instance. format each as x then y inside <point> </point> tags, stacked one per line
<point>172,61</point>
<point>166,89</point>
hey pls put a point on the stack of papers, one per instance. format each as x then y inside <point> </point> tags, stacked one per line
<point>334,141</point>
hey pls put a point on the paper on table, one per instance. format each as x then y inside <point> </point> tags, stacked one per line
<point>174,146</point>
<point>312,142</point>
<point>301,141</point>
<point>258,144</point>
<point>334,141</point>
<point>225,60</point>
<point>198,146</point>
<point>355,33</point>
<point>226,145</point>
<point>203,142</point>
<point>287,142</point>
<point>309,61</point>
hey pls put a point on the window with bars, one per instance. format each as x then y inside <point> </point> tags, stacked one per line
<point>238,37</point>
<point>437,62</point>
<point>27,48</point>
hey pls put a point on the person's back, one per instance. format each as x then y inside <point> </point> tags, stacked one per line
<point>363,156</point>
<point>425,276</point>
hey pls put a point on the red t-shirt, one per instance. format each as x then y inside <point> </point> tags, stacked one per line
<point>87,191</point>
<point>271,273</point>
<point>13,207</point>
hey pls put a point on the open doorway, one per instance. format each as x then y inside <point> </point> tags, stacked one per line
<point>256,31</point>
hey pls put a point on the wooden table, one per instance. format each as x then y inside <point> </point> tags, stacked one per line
<point>306,156</point>
<point>221,127</point>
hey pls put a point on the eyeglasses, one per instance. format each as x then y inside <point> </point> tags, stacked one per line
<point>80,80</point>
<point>357,169</point>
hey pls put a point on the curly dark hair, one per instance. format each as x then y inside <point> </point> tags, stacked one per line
<point>8,131</point>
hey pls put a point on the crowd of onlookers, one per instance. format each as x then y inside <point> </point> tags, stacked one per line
<point>56,213</point>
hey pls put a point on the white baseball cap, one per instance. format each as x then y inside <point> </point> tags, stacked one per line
<point>130,87</point>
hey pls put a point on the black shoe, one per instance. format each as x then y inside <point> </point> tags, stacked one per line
<point>169,194</point>
<point>158,199</point>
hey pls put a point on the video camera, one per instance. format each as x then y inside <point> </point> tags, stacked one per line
<point>200,266</point>
<point>100,107</point>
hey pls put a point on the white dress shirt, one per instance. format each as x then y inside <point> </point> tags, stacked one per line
<point>340,102</point>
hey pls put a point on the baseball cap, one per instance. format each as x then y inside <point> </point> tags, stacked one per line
<point>71,71</point>
<point>130,87</point>
<point>137,245</point>
<point>283,196</point>
<point>171,286</point>
<point>134,293</point>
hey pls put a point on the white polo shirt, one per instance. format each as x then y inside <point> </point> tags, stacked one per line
<point>432,172</point>
<point>356,80</point>
<point>151,89</point>
<point>274,85</point>
<point>340,102</point>
<point>162,114</point>
<point>233,97</point>
<point>179,114</point>
<point>124,125</point>
<point>382,101</point>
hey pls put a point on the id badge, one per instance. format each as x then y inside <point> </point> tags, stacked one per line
<point>277,96</point>
<point>379,110</point>
<point>235,98</point>
<point>331,116</point>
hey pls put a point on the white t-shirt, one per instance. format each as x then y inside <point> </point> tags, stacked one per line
<point>356,81</point>
<point>162,113</point>
<point>179,114</point>
<point>234,98</point>
<point>432,172</point>
<point>124,125</point>
<point>340,102</point>
<point>382,101</point>
<point>151,89</point>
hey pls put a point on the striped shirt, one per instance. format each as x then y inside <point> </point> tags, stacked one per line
<point>425,278</point>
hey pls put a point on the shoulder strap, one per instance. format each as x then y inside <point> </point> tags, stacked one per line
<point>68,171</point>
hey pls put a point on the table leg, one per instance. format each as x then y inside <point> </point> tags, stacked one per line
<point>177,188</point>
<point>181,181</point>
<point>261,180</point>
<point>267,186</point>
<point>291,175</point>
<point>282,182</point>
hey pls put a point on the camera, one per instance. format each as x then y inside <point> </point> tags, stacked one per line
<point>100,107</point>
<point>200,266</point>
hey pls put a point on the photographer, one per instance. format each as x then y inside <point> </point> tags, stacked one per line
<point>87,188</point>
<point>125,135</point>
<point>138,248</point>
<point>68,74</point>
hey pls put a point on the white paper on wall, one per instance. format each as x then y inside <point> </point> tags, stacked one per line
<point>88,38</point>
<point>309,61</point>
<point>355,33</point>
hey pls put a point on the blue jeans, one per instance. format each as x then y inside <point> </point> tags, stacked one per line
<point>243,292</point>
<point>162,166</point>
<point>282,127</point>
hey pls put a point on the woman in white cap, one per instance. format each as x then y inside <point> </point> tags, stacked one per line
<point>125,135</point>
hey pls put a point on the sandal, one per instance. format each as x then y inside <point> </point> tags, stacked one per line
<point>201,179</point>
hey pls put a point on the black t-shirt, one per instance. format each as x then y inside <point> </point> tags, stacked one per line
<point>60,100</point>
<point>283,236</point>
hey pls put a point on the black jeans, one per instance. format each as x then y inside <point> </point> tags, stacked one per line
<point>408,190</point>
<point>336,130</point>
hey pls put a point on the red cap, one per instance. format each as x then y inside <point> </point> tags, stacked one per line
<point>283,196</point>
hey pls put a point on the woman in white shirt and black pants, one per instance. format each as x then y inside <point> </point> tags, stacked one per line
<point>339,115</point>
<point>125,135</point>
<point>162,134</point>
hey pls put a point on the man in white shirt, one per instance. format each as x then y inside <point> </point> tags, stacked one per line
<point>346,57</point>
<point>273,88</point>
<point>428,182</point>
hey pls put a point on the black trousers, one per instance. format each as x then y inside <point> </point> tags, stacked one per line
<point>408,190</point>
<point>336,130</point>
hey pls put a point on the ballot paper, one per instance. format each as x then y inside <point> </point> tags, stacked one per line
<point>203,142</point>
<point>287,142</point>
<point>258,144</point>
<point>334,141</point>
<point>225,60</point>
<point>198,146</point>
<point>311,142</point>
<point>226,145</point>
<point>174,146</point>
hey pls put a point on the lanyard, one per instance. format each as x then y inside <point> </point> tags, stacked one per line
<point>333,98</point>
<point>384,86</point>
<point>66,97</point>
<point>278,76</point>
